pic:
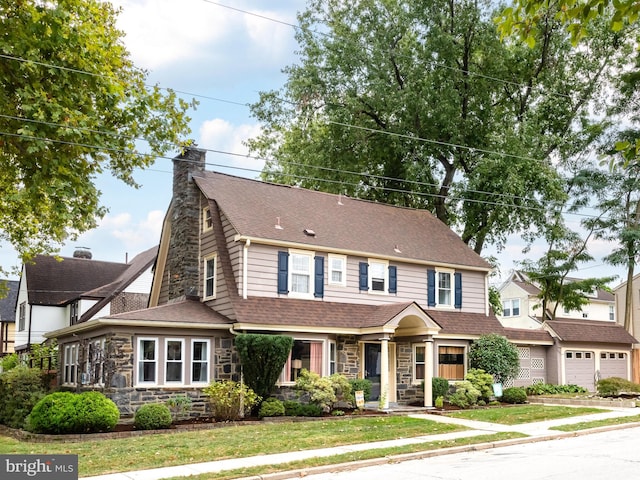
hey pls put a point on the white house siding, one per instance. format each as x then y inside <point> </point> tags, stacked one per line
<point>44,319</point>
<point>142,284</point>
<point>593,311</point>
<point>512,291</point>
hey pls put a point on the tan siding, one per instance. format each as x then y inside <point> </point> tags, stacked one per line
<point>221,303</point>
<point>412,282</point>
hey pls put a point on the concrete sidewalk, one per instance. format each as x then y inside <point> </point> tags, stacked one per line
<point>536,432</point>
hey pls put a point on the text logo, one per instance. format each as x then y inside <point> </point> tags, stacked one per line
<point>45,467</point>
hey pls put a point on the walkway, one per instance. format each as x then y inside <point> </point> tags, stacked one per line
<point>537,431</point>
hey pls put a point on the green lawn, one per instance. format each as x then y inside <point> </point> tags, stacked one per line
<point>178,448</point>
<point>597,423</point>
<point>523,413</point>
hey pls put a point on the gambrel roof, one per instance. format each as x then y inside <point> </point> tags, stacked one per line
<point>335,222</point>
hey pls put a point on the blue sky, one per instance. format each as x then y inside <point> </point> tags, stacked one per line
<point>201,47</point>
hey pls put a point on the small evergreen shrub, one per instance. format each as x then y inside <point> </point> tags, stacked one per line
<point>20,389</point>
<point>152,416</point>
<point>439,402</point>
<point>612,386</point>
<point>230,400</point>
<point>465,395</point>
<point>439,387</point>
<point>297,409</point>
<point>360,384</point>
<point>291,408</point>
<point>514,395</point>
<point>66,412</point>
<point>482,380</point>
<point>271,407</point>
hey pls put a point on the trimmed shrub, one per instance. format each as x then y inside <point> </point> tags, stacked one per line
<point>230,400</point>
<point>66,412</point>
<point>21,388</point>
<point>360,384</point>
<point>440,387</point>
<point>608,387</point>
<point>550,389</point>
<point>55,414</point>
<point>464,395</point>
<point>297,409</point>
<point>271,407</point>
<point>152,416</point>
<point>514,395</point>
<point>98,413</point>
<point>262,358</point>
<point>495,355</point>
<point>482,380</point>
<point>323,391</point>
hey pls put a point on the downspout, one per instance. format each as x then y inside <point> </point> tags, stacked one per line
<point>245,268</point>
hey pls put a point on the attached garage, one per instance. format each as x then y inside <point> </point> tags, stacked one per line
<point>614,364</point>
<point>580,368</point>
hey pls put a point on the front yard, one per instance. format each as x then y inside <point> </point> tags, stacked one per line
<point>175,447</point>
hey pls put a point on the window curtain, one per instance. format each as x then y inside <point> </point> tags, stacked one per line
<point>286,372</point>
<point>316,358</point>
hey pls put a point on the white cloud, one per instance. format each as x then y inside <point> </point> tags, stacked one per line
<point>219,134</point>
<point>160,32</point>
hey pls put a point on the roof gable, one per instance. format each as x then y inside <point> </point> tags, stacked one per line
<point>254,208</point>
<point>8,303</point>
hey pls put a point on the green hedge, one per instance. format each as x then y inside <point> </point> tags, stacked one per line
<point>152,416</point>
<point>21,388</point>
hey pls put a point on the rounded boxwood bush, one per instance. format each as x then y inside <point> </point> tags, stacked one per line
<point>152,416</point>
<point>271,407</point>
<point>514,395</point>
<point>66,412</point>
<point>98,413</point>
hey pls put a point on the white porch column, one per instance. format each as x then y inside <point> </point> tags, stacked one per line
<point>384,373</point>
<point>428,371</point>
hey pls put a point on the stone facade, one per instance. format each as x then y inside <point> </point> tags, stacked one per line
<point>347,351</point>
<point>183,255</point>
<point>408,392</point>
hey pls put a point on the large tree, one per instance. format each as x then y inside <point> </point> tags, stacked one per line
<point>421,104</point>
<point>73,105</point>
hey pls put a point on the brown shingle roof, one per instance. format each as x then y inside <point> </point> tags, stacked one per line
<point>53,282</point>
<point>528,335</point>
<point>305,313</point>
<point>185,311</point>
<point>341,223</point>
<point>592,331</point>
<point>462,323</point>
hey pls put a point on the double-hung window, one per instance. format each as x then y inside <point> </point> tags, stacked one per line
<point>147,360</point>
<point>174,368</point>
<point>207,222</point>
<point>419,362</point>
<point>70,364</point>
<point>338,270</point>
<point>210,277</point>
<point>378,276</point>
<point>444,290</point>
<point>200,361</point>
<point>22,315</point>
<point>301,273</point>
<point>511,307</point>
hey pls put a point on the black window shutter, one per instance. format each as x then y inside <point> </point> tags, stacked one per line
<point>364,276</point>
<point>431,288</point>
<point>319,277</point>
<point>393,279</point>
<point>458,290</point>
<point>283,273</point>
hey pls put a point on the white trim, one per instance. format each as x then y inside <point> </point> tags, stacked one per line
<point>192,361</point>
<point>205,278</point>
<point>385,278</point>
<point>311,273</point>
<point>343,271</point>
<point>452,287</point>
<point>414,379</point>
<point>138,363</point>
<point>166,360</point>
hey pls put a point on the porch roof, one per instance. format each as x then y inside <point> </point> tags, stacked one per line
<point>465,323</point>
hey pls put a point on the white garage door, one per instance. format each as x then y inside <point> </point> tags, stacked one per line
<point>613,364</point>
<point>580,368</point>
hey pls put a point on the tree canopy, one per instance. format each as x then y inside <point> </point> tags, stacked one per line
<point>73,106</point>
<point>423,105</point>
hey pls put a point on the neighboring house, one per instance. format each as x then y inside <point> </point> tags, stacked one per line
<point>588,344</point>
<point>57,292</point>
<point>8,317</point>
<point>620,293</point>
<point>365,289</point>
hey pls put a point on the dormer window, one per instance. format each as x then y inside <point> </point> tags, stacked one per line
<point>207,221</point>
<point>73,312</point>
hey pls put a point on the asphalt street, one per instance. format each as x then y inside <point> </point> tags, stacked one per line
<point>611,454</point>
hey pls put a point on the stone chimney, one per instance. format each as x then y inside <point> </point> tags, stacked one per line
<point>182,260</point>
